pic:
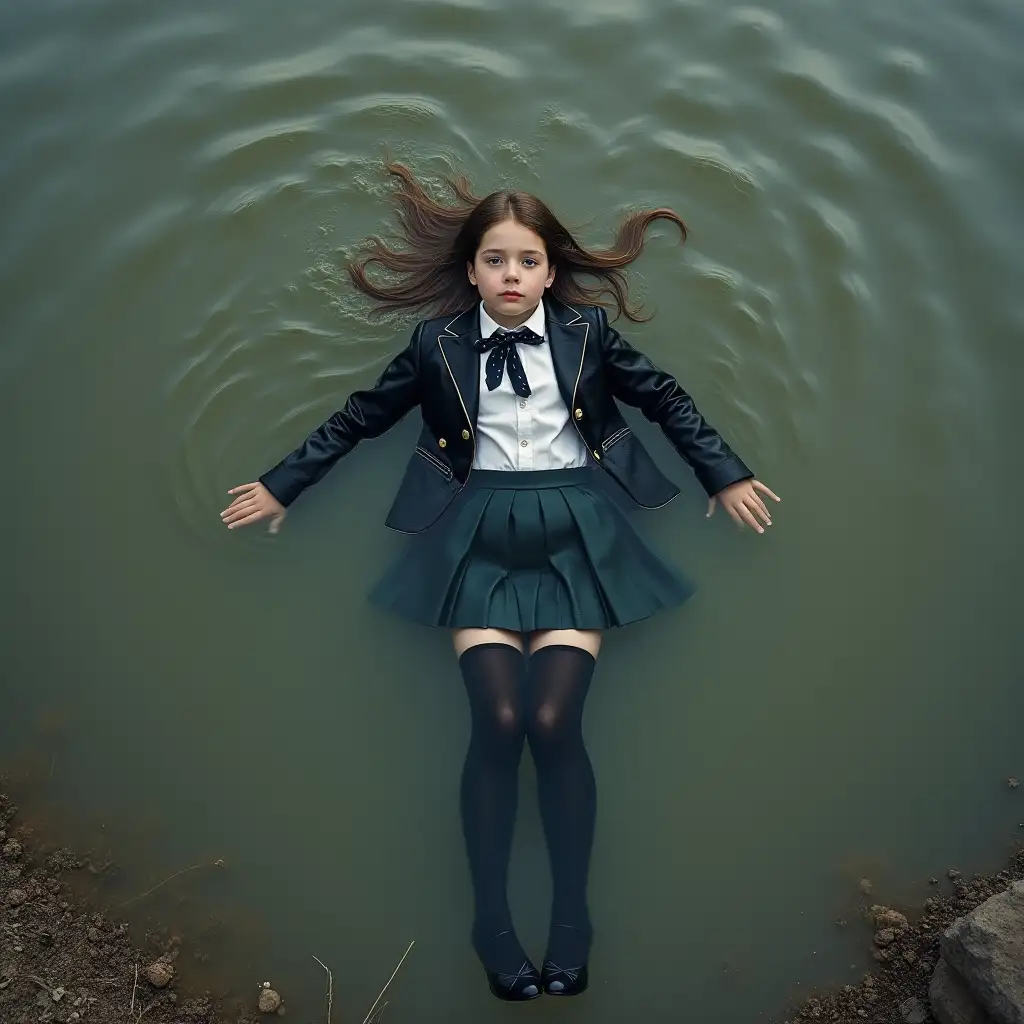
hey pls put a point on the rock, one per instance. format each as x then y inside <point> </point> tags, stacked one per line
<point>885,937</point>
<point>1013,783</point>
<point>987,948</point>
<point>16,897</point>
<point>913,1011</point>
<point>953,874</point>
<point>270,1001</point>
<point>57,994</point>
<point>951,999</point>
<point>866,887</point>
<point>886,917</point>
<point>11,849</point>
<point>159,973</point>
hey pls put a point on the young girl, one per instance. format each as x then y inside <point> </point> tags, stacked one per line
<point>517,496</point>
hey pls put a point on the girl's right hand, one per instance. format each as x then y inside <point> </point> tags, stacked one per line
<point>253,502</point>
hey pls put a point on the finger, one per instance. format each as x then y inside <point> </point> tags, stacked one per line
<point>733,513</point>
<point>767,490</point>
<point>748,517</point>
<point>711,507</point>
<point>275,524</point>
<point>253,517</point>
<point>245,514</point>
<point>757,506</point>
<point>249,503</point>
<point>242,498</point>
<point>244,488</point>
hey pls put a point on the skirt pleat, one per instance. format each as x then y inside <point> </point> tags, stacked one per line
<point>528,551</point>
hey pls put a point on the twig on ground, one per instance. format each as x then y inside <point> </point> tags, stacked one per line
<point>218,863</point>
<point>330,987</point>
<point>366,1019</point>
<point>375,1019</point>
<point>131,1009</point>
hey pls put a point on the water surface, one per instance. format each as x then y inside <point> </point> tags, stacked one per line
<point>179,189</point>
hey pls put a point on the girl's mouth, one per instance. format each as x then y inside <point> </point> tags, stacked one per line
<point>511,295</point>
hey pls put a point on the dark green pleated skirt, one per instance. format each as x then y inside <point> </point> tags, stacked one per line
<point>550,549</point>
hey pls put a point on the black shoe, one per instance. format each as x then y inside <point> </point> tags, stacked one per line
<point>515,988</point>
<point>503,949</point>
<point>564,981</point>
<point>567,944</point>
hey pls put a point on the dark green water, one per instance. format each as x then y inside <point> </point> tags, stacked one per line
<point>178,187</point>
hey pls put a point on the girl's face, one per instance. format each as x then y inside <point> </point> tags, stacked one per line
<point>511,271</point>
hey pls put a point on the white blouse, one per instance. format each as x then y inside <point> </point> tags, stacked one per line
<point>525,433</point>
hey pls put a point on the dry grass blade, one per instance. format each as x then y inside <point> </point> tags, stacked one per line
<point>375,1019</point>
<point>330,987</point>
<point>131,1009</point>
<point>369,1016</point>
<point>218,863</point>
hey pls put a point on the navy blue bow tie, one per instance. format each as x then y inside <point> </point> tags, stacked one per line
<point>502,346</point>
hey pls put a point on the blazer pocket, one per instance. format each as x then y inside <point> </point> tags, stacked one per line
<point>434,461</point>
<point>616,437</point>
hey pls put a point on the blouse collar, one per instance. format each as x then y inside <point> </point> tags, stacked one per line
<point>537,322</point>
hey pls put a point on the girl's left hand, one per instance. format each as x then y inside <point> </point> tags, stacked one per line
<point>744,504</point>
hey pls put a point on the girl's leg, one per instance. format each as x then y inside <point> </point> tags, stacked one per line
<point>558,677</point>
<point>492,667</point>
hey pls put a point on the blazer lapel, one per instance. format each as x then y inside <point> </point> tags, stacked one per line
<point>462,360</point>
<point>567,333</point>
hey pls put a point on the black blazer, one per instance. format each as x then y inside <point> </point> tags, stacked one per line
<point>439,371</point>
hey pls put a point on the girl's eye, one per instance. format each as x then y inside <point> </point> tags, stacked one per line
<point>494,260</point>
<point>530,262</point>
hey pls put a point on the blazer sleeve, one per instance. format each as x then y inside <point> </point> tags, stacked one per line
<point>367,413</point>
<point>636,381</point>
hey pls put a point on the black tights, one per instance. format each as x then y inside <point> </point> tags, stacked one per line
<point>541,701</point>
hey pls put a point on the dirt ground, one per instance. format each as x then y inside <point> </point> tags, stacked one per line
<point>62,961</point>
<point>905,947</point>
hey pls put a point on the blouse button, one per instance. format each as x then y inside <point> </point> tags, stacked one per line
<point>522,404</point>
<point>442,443</point>
<point>578,414</point>
<point>524,443</point>
<point>465,435</point>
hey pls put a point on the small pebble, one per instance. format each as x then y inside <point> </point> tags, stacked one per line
<point>953,874</point>
<point>866,887</point>
<point>1013,783</point>
<point>270,1001</point>
<point>57,994</point>
<point>16,897</point>
<point>159,973</point>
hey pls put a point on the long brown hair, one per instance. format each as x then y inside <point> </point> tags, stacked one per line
<point>428,270</point>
